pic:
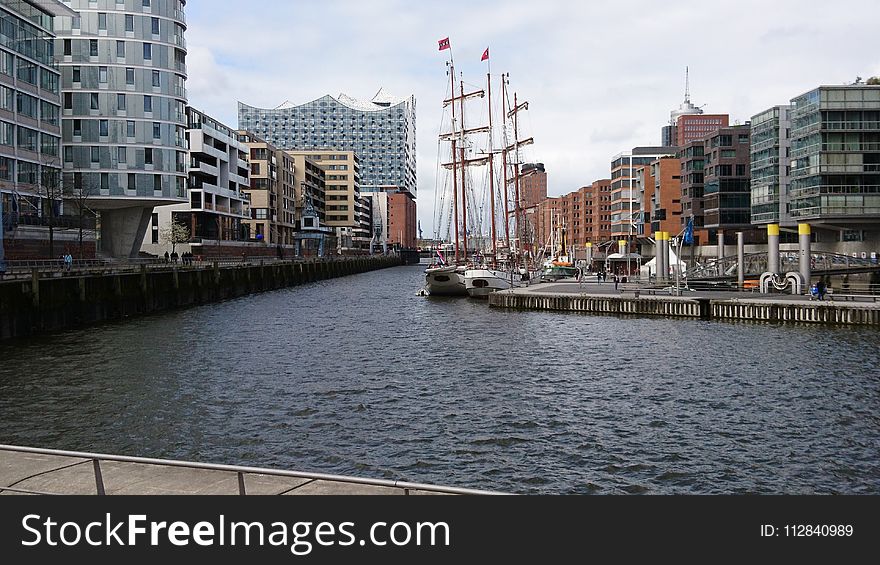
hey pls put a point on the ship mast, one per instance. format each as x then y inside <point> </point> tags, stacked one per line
<point>518,166</point>
<point>463,178</point>
<point>504,164</point>
<point>492,172</point>
<point>454,167</point>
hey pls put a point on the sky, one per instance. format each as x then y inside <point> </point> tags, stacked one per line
<point>601,77</point>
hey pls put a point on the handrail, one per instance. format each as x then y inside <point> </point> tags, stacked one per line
<point>241,470</point>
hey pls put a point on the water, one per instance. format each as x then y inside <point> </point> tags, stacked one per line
<point>360,376</point>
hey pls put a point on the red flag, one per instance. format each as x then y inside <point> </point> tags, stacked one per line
<point>485,55</point>
<point>444,44</point>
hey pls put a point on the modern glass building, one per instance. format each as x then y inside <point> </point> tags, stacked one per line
<point>30,122</point>
<point>835,151</point>
<point>382,132</point>
<point>123,76</point>
<point>770,154</point>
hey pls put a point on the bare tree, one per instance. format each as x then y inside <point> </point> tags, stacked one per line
<point>79,194</point>
<point>50,189</point>
<point>174,233</point>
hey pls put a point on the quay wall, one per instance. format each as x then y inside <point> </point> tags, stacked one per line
<point>695,308</point>
<point>46,304</point>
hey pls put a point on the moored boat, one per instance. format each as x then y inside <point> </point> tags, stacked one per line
<point>445,281</point>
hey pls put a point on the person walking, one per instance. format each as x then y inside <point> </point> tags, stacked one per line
<point>616,281</point>
<point>167,257</point>
<point>821,289</point>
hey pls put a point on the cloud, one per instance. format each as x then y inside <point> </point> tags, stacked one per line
<point>601,77</point>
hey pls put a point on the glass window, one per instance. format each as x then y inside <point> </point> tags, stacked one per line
<point>93,47</point>
<point>7,134</point>
<point>148,104</point>
<point>77,74</point>
<point>105,181</point>
<point>93,100</point>
<point>102,75</point>
<point>121,155</point>
<point>95,154</point>
<point>156,81</point>
<point>103,128</point>
<point>120,49</point>
<point>102,21</point>
<point>148,156</point>
<point>77,128</point>
<point>129,22</point>
<point>121,102</point>
<point>155,25</point>
<point>148,51</point>
<point>68,50</point>
<point>132,181</point>
<point>129,76</point>
<point>157,130</point>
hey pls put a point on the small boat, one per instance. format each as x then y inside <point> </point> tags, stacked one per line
<point>446,280</point>
<point>556,269</point>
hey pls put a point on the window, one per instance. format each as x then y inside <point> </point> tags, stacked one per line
<point>157,183</point>
<point>102,75</point>
<point>132,181</point>
<point>120,49</point>
<point>105,181</point>
<point>156,82</point>
<point>77,74</point>
<point>93,47</point>
<point>95,154</point>
<point>27,71</point>
<point>77,128</point>
<point>740,170</point>
<point>49,113</point>
<point>145,3</point>
<point>129,22</point>
<point>148,51</point>
<point>129,76</point>
<point>120,102</point>
<point>27,105</point>
<point>103,128</point>
<point>157,130</point>
<point>148,156</point>
<point>148,104</point>
<point>121,155</point>
<point>7,134</point>
<point>68,49</point>
<point>93,100</point>
<point>102,21</point>
<point>129,128</point>
<point>155,25</point>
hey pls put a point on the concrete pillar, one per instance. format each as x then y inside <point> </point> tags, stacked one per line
<point>662,250</point>
<point>805,254</point>
<point>589,255</point>
<point>773,248</point>
<point>720,245</point>
<point>740,259</point>
<point>667,258</point>
<point>123,230</point>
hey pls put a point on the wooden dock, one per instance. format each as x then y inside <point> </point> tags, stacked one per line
<point>595,298</point>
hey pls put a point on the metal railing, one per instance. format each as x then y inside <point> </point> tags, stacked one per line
<point>240,471</point>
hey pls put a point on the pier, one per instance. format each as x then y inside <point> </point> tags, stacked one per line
<point>25,470</point>
<point>53,300</point>
<point>599,298</point>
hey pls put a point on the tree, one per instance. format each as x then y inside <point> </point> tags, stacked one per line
<point>174,233</point>
<point>79,194</point>
<point>50,190</point>
<point>873,81</point>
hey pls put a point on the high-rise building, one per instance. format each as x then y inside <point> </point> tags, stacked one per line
<point>626,209</point>
<point>835,169</point>
<point>601,215</point>
<point>532,184</point>
<point>770,163</point>
<point>665,200</point>
<point>123,77</point>
<point>693,127</point>
<point>217,203</point>
<point>382,132</point>
<point>30,128</point>
<point>726,186</point>
<point>346,211</point>
<point>271,194</point>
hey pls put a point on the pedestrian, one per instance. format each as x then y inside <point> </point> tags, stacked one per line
<point>821,289</point>
<point>616,281</point>
<point>167,258</point>
<point>599,277</point>
<point>174,257</point>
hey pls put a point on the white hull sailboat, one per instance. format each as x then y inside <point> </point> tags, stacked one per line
<point>482,282</point>
<point>445,281</point>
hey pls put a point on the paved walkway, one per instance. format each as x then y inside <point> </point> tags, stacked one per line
<point>593,288</point>
<point>34,471</point>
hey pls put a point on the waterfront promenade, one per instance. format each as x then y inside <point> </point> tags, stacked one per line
<point>50,472</point>
<point>603,298</point>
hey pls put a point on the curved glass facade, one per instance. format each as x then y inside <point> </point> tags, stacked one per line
<point>382,133</point>
<point>123,76</point>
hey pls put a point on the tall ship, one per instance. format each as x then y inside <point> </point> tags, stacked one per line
<point>481,265</point>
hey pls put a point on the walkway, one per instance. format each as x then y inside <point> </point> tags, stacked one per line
<point>41,471</point>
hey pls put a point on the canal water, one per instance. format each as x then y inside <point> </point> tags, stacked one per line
<point>359,376</point>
